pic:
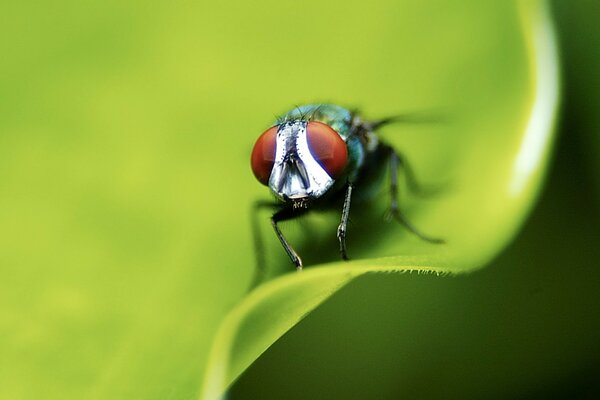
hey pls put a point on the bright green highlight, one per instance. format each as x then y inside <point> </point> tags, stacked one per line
<point>125,186</point>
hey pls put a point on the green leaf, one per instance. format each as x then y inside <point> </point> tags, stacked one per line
<point>523,327</point>
<point>501,104</point>
<point>125,186</point>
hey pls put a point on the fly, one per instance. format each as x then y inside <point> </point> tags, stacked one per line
<point>319,155</point>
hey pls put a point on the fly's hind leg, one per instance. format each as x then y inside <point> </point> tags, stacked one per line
<point>413,184</point>
<point>395,162</point>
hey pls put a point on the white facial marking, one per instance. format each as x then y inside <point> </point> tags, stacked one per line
<point>296,174</point>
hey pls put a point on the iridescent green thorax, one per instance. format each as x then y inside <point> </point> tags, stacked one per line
<point>341,120</point>
<point>337,117</point>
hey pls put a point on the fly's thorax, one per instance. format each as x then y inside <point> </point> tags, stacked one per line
<point>338,118</point>
<point>356,157</point>
<point>371,141</point>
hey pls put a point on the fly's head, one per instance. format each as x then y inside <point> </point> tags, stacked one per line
<point>299,160</point>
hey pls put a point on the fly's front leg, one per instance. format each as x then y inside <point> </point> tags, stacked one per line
<point>342,228</point>
<point>282,215</point>
<point>395,162</point>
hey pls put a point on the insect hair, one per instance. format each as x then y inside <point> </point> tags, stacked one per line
<point>279,119</point>
<point>304,116</point>
<point>315,111</point>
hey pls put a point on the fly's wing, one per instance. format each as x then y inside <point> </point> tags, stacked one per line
<point>416,117</point>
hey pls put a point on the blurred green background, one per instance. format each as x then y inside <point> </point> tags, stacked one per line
<point>125,130</point>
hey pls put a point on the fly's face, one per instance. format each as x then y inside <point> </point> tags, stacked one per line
<point>299,160</point>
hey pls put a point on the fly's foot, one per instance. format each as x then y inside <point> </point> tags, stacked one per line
<point>298,263</point>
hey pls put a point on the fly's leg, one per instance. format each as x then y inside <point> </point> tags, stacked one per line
<point>342,228</point>
<point>411,180</point>
<point>282,215</point>
<point>395,162</point>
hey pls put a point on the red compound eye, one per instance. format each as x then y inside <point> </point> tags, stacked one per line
<point>263,155</point>
<point>327,147</point>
